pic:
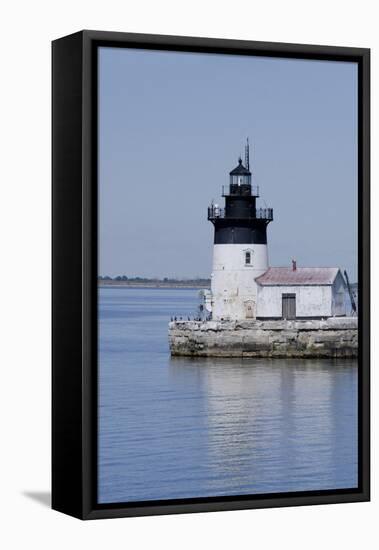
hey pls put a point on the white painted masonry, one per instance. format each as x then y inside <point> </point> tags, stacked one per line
<point>234,290</point>
<point>311,300</point>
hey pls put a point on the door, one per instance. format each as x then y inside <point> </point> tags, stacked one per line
<point>289,306</point>
<point>250,309</point>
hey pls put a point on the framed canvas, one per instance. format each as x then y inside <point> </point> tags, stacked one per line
<point>210,275</point>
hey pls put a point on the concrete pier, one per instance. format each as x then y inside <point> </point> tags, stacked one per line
<point>332,337</point>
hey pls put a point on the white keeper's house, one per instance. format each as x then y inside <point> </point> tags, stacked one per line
<point>243,286</point>
<point>301,293</point>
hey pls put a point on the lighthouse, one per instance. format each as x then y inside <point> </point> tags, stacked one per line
<point>240,246</point>
<point>267,298</point>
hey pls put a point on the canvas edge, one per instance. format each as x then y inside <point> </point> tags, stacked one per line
<point>82,503</point>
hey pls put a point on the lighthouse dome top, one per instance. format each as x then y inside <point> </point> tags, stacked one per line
<point>240,170</point>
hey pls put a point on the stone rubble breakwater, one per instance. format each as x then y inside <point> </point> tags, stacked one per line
<point>332,337</point>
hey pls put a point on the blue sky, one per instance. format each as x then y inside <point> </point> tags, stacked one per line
<point>171,127</point>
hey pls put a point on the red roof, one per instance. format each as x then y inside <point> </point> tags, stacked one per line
<point>299,276</point>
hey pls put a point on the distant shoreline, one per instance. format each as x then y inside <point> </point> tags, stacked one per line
<point>112,283</point>
<point>164,285</point>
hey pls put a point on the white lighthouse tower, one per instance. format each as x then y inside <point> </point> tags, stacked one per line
<point>240,247</point>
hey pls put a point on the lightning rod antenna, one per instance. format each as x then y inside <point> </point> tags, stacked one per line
<point>247,154</point>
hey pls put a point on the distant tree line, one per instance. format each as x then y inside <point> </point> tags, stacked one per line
<point>151,280</point>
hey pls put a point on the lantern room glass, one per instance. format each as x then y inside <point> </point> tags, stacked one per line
<point>240,179</point>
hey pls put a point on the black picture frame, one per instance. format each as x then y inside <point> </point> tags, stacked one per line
<point>74,271</point>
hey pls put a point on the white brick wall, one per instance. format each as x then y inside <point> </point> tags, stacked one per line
<point>311,301</point>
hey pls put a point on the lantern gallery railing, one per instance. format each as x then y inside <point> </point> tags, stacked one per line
<point>214,212</point>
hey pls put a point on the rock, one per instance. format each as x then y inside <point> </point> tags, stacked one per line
<point>334,337</point>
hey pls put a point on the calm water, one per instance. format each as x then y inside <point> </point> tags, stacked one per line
<point>177,428</point>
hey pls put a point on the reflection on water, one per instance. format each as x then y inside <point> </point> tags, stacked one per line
<point>181,427</point>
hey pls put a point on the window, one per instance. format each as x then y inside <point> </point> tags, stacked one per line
<point>248,258</point>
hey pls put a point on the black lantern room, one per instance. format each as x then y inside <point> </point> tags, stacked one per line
<point>240,221</point>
